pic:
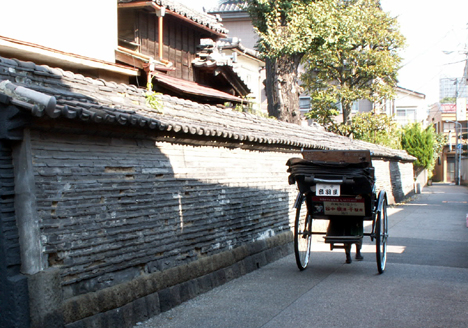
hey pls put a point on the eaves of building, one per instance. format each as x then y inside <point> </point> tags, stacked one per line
<point>182,12</point>
<point>14,48</point>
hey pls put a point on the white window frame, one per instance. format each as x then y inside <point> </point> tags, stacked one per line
<point>303,99</point>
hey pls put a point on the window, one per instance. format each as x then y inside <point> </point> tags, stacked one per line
<point>449,127</point>
<point>304,104</point>
<point>408,113</point>
<point>354,107</point>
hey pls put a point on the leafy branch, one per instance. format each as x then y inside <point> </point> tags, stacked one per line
<point>154,99</point>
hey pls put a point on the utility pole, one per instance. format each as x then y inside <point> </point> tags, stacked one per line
<point>460,113</point>
<point>457,152</point>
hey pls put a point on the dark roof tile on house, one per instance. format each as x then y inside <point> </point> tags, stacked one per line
<point>230,6</point>
<point>241,48</point>
<point>45,91</point>
<point>196,16</point>
<point>193,88</point>
<point>211,58</point>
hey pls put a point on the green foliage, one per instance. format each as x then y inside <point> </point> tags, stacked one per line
<point>288,27</point>
<point>440,140</point>
<point>153,99</point>
<point>371,127</point>
<point>448,100</point>
<point>325,109</point>
<point>247,107</point>
<point>374,128</point>
<point>349,47</point>
<point>287,30</point>
<point>422,143</point>
<point>358,58</point>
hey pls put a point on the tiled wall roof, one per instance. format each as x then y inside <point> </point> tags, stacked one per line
<point>101,102</point>
<point>204,19</point>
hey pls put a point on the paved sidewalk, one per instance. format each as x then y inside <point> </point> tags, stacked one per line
<point>425,283</point>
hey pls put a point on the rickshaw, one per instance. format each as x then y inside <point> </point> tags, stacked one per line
<point>338,186</point>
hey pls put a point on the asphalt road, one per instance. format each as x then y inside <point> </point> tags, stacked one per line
<point>425,283</point>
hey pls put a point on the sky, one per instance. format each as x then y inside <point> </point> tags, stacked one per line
<point>436,35</point>
<point>432,29</point>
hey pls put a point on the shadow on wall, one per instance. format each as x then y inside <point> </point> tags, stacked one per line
<point>396,181</point>
<point>111,210</point>
<point>14,311</point>
<point>114,209</point>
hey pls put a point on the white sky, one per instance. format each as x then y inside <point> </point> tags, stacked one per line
<point>430,27</point>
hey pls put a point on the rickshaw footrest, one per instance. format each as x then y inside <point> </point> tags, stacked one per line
<point>343,239</point>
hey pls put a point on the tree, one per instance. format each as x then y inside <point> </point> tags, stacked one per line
<point>448,100</point>
<point>358,58</point>
<point>424,144</point>
<point>287,29</point>
<point>371,127</point>
<point>325,111</point>
<point>375,128</point>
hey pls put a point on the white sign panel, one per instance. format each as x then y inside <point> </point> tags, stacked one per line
<point>461,109</point>
<point>327,190</point>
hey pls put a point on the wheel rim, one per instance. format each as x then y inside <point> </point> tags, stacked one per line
<point>381,233</point>
<point>302,236</point>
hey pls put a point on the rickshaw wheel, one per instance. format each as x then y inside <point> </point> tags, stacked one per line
<point>381,235</point>
<point>302,236</point>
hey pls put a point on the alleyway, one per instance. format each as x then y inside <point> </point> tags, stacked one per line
<point>425,283</point>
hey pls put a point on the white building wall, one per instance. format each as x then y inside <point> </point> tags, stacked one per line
<point>243,30</point>
<point>250,71</point>
<point>410,102</point>
<point>86,27</point>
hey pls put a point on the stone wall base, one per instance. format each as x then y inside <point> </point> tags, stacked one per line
<point>126,304</point>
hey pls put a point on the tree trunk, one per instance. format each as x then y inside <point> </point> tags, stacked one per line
<point>346,108</point>
<point>282,88</point>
